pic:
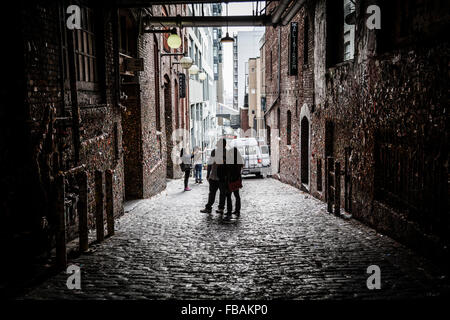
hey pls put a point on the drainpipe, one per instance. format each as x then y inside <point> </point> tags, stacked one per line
<point>295,8</point>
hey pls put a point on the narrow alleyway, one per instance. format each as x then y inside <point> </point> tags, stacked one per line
<point>284,245</point>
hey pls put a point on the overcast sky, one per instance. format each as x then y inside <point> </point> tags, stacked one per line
<point>234,9</point>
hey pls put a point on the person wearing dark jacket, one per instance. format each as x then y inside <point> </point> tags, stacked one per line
<point>233,174</point>
<point>216,177</point>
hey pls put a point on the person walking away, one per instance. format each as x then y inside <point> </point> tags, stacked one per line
<point>234,166</point>
<point>215,177</point>
<point>185,165</point>
<point>198,165</point>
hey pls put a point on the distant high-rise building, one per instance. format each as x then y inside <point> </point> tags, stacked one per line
<point>217,54</point>
<point>246,46</point>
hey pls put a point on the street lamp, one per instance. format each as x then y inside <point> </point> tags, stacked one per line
<point>227,38</point>
<point>186,62</point>
<point>193,70</point>
<point>202,76</point>
<point>174,40</point>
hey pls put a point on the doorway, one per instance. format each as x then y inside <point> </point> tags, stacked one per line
<point>304,160</point>
<point>305,143</point>
<point>169,125</point>
<point>348,181</point>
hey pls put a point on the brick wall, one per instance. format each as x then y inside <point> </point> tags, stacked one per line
<point>397,90</point>
<point>295,93</point>
<point>47,114</point>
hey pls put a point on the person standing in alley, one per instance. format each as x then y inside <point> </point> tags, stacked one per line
<point>233,169</point>
<point>216,177</point>
<point>198,165</point>
<point>185,165</point>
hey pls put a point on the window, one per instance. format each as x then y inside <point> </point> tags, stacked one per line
<point>347,51</point>
<point>288,129</point>
<point>340,36</point>
<point>411,176</point>
<point>293,50</point>
<point>85,48</point>
<point>270,65</point>
<point>177,106</point>
<point>191,48</point>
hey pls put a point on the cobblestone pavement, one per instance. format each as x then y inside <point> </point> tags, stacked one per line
<point>284,245</point>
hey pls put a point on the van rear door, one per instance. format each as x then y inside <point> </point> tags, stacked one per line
<point>253,156</point>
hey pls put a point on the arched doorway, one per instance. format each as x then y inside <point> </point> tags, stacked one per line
<point>169,124</point>
<point>305,142</point>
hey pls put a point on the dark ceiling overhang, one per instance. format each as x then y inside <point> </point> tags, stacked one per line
<point>282,13</point>
<point>221,21</point>
<point>147,3</point>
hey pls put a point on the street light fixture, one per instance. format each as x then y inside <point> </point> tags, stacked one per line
<point>227,38</point>
<point>174,40</point>
<point>193,70</point>
<point>186,62</point>
<point>202,76</point>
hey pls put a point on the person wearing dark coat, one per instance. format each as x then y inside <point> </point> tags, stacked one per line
<point>233,169</point>
<point>216,175</point>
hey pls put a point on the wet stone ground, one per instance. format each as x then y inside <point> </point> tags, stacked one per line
<point>284,245</point>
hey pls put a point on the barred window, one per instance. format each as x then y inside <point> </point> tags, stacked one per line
<point>85,48</point>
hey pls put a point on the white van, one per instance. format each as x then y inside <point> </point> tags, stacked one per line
<point>251,154</point>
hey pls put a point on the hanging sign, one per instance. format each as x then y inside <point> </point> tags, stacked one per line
<point>293,50</point>
<point>182,85</point>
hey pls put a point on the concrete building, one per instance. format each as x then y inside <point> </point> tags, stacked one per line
<point>254,97</point>
<point>202,97</point>
<point>235,74</point>
<point>218,56</point>
<point>246,46</point>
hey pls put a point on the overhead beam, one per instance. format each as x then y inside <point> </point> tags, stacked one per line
<point>292,12</point>
<point>148,3</point>
<point>280,9</point>
<point>208,21</point>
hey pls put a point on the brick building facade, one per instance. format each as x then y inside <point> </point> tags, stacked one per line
<point>379,111</point>
<point>72,108</point>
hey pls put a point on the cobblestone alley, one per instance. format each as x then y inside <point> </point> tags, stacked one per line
<point>284,245</point>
